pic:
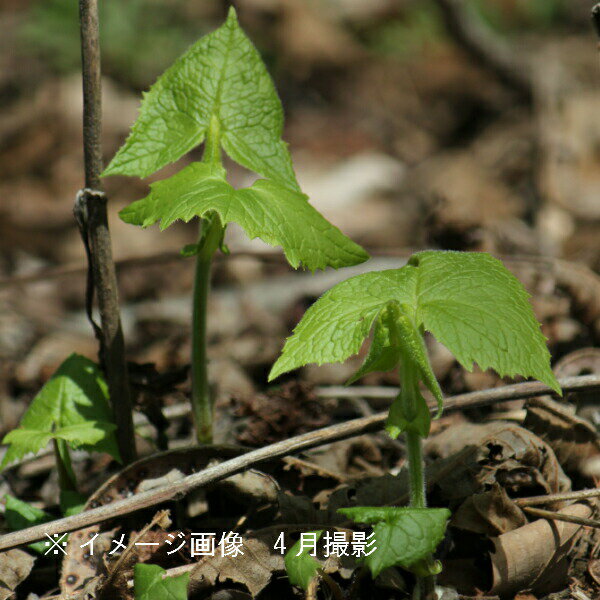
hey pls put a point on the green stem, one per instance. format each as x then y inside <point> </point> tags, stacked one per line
<point>415,469</point>
<point>211,236</point>
<point>409,395</point>
<point>202,401</point>
<point>64,468</point>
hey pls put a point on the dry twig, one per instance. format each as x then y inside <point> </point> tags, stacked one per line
<point>556,516</point>
<point>292,445</point>
<point>551,498</point>
<point>90,213</point>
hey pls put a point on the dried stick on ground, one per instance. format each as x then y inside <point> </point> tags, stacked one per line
<point>92,219</point>
<point>290,446</point>
<point>560,497</point>
<point>484,47</point>
<point>557,516</point>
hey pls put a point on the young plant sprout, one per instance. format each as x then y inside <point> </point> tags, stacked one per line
<point>474,306</point>
<point>219,93</point>
<point>72,411</point>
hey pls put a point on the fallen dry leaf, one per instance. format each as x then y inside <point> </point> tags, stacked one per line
<point>497,452</point>
<point>502,461</point>
<point>490,513</point>
<point>533,556</point>
<point>253,569</point>
<point>574,441</point>
<point>15,566</point>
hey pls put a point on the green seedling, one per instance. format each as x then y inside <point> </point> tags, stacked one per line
<point>300,566</point>
<point>71,411</point>
<point>150,583</point>
<point>219,93</point>
<point>476,308</point>
<point>20,515</point>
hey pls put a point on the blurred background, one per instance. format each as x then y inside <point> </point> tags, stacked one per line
<point>413,124</point>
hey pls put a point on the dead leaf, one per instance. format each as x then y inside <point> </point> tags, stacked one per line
<point>502,461</point>
<point>533,557</point>
<point>78,567</point>
<point>253,569</point>
<point>574,441</point>
<point>15,566</point>
<point>115,582</point>
<point>497,452</point>
<point>585,361</point>
<point>489,513</point>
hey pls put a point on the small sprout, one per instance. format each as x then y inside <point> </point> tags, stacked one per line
<point>72,411</point>
<point>219,93</point>
<point>474,306</point>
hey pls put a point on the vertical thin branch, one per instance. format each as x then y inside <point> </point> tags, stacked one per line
<point>92,92</point>
<point>91,214</point>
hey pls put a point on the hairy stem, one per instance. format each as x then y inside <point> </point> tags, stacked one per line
<point>64,468</point>
<point>409,395</point>
<point>211,237</point>
<point>202,401</point>
<point>416,474</point>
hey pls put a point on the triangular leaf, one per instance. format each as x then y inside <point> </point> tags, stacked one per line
<point>469,301</point>
<point>403,536</point>
<point>223,77</point>
<point>277,215</point>
<point>336,325</point>
<point>73,406</point>
<point>301,567</point>
<point>150,583</point>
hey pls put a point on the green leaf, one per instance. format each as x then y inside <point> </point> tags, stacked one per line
<point>469,301</point>
<point>277,215</point>
<point>481,312</point>
<point>403,536</point>
<point>149,583</point>
<point>335,326</point>
<point>221,77</point>
<point>398,422</point>
<point>71,502</point>
<point>302,568</point>
<point>20,515</point>
<point>72,406</point>
<point>395,334</point>
<point>383,354</point>
<point>190,250</point>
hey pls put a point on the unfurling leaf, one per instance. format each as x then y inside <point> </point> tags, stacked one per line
<point>267,210</point>
<point>72,406</point>
<point>403,536</point>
